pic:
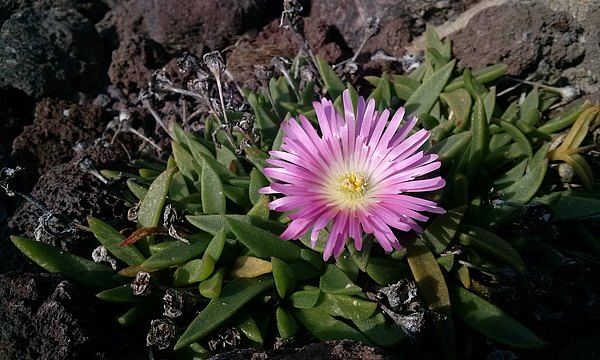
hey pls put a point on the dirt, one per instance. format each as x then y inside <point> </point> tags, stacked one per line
<point>56,110</point>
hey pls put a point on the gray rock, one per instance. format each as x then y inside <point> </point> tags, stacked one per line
<point>45,317</point>
<point>50,52</point>
<point>528,37</point>
<point>197,23</point>
<point>92,9</point>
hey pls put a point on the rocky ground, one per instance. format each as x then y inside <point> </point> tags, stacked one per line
<point>69,67</point>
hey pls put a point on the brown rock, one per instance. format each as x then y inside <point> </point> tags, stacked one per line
<point>528,37</point>
<point>195,24</point>
<point>58,126</point>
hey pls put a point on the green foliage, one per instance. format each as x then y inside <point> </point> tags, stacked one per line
<point>490,148</point>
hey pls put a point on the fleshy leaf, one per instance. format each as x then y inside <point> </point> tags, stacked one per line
<point>334,85</point>
<point>487,319</point>
<point>263,243</point>
<point>486,241</point>
<point>150,212</point>
<point>432,285</point>
<point>441,230</point>
<point>346,306</point>
<point>76,268</point>
<point>285,279</point>
<point>286,324</point>
<point>233,296</point>
<point>325,327</point>
<point>250,267</point>
<point>427,94</point>
<point>213,197</point>
<point>178,252</point>
<point>111,240</point>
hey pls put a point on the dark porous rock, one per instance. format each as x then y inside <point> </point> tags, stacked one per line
<point>134,61</point>
<point>196,24</point>
<point>586,76</point>
<point>350,18</point>
<point>135,54</point>
<point>73,195</point>
<point>528,37</point>
<point>45,317</point>
<point>50,52</point>
<point>329,350</point>
<point>58,127</point>
<point>92,9</point>
<point>16,111</point>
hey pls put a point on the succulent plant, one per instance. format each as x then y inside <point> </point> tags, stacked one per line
<point>206,258</point>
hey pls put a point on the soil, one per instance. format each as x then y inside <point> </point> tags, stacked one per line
<point>64,84</point>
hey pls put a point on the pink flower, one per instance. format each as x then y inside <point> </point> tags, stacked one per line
<point>355,175</point>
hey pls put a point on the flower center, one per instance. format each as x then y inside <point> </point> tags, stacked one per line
<point>352,185</point>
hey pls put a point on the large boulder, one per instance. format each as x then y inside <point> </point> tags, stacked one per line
<point>50,52</point>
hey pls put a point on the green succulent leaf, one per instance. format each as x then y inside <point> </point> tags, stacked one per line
<point>386,271</point>
<point>286,324</point>
<point>427,94</point>
<point>247,326</point>
<point>120,294</point>
<point>213,197</point>
<point>577,206</point>
<point>212,224</point>
<point>519,138</point>
<point>459,101</point>
<point>211,287</point>
<point>138,190</point>
<point>432,285</point>
<point>346,306</point>
<point>262,243</point>
<point>257,181</point>
<point>111,239</point>
<point>178,252</point>
<point>481,139</point>
<point>186,163</point>
<point>404,86</point>
<point>529,113</point>
<point>325,327</point>
<point>379,331</point>
<point>137,314</point>
<point>150,212</point>
<point>285,279</point>
<point>484,76</point>
<point>451,147</point>
<point>233,296</point>
<point>564,120</point>
<point>519,192</point>
<point>334,85</point>
<point>335,281</point>
<point>78,269</point>
<point>491,244</point>
<point>492,322</point>
<point>305,299</point>
<point>442,229</point>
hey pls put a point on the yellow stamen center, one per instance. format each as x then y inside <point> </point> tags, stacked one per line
<point>352,185</point>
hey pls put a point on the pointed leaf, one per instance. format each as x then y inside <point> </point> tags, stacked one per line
<point>233,296</point>
<point>325,327</point>
<point>76,268</point>
<point>426,95</point>
<point>263,243</point>
<point>492,322</point>
<point>334,85</point>
<point>491,244</point>
<point>150,212</point>
<point>111,239</point>
<point>432,285</point>
<point>285,279</point>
